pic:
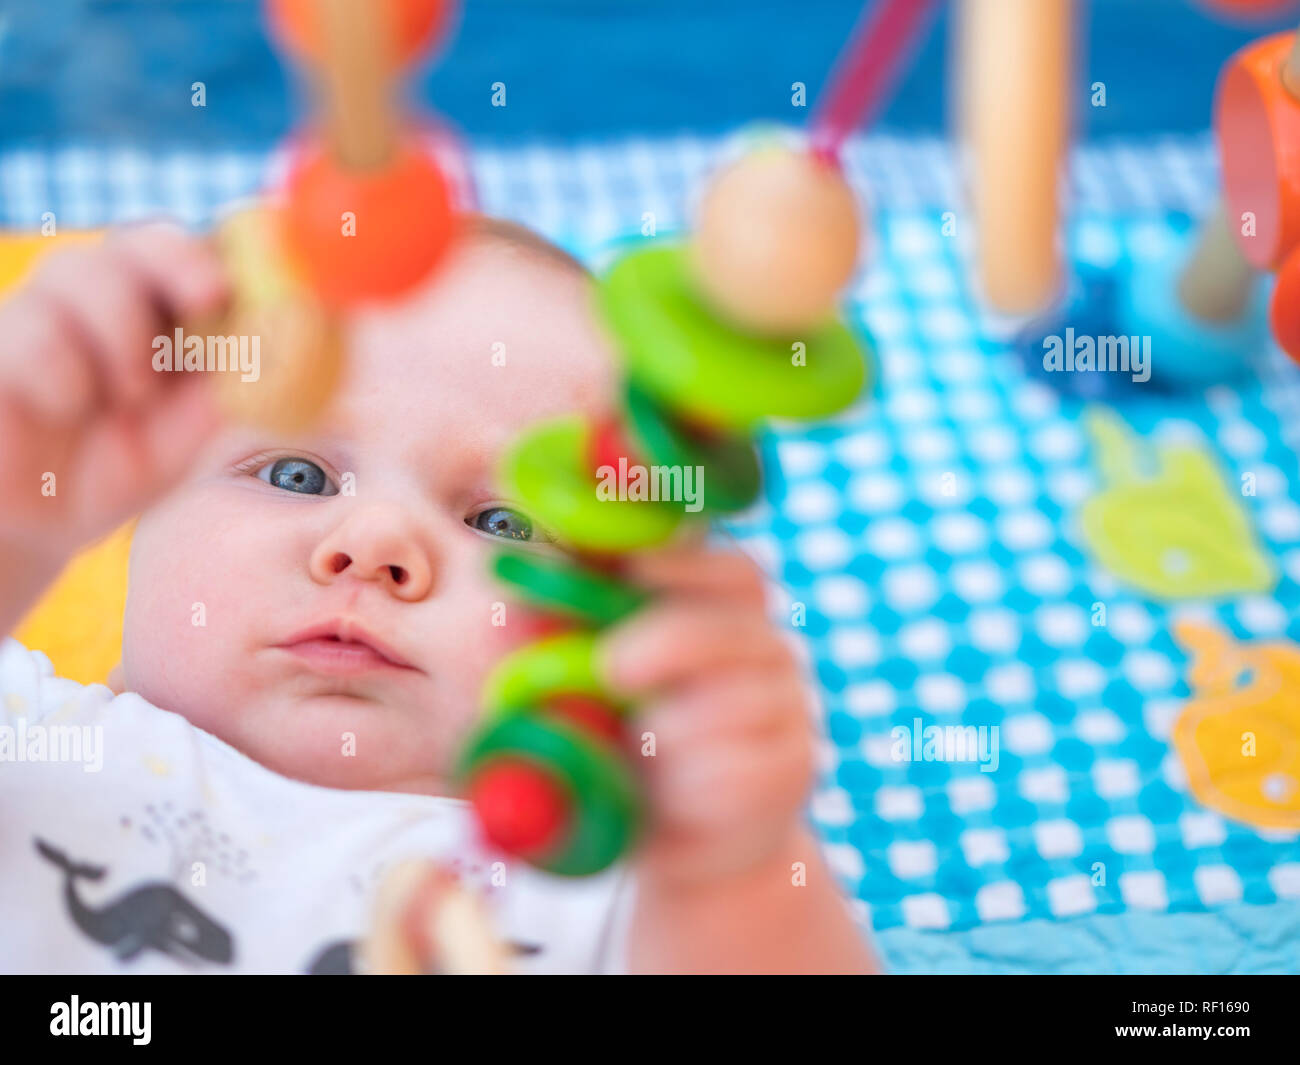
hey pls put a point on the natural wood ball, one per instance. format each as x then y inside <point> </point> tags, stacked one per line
<point>776,241</point>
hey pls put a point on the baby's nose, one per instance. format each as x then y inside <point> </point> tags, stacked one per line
<point>378,544</point>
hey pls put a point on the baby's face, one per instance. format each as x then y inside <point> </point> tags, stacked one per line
<point>260,553</point>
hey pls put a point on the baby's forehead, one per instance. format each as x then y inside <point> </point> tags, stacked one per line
<point>504,334</point>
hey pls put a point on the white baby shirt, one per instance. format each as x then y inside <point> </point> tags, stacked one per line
<point>132,841</point>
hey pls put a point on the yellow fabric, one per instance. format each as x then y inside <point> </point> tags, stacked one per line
<point>78,622</point>
<point>20,251</point>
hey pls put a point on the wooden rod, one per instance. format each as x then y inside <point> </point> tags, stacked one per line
<point>1016,70</point>
<point>1215,284</point>
<point>1291,70</point>
<point>359,115</point>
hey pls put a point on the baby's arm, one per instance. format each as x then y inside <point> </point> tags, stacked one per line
<point>731,879</point>
<point>90,434</point>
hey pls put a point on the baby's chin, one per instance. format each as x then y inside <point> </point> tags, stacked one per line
<point>343,741</point>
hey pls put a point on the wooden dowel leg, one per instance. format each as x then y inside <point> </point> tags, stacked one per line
<point>358,109</point>
<point>1016,61</point>
<point>1215,284</point>
<point>1291,70</point>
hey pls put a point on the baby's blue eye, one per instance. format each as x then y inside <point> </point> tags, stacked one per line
<point>503,522</point>
<point>299,475</point>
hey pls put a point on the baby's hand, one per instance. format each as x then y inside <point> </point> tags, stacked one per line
<point>724,696</point>
<point>79,398</point>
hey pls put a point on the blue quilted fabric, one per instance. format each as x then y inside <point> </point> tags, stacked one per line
<point>933,537</point>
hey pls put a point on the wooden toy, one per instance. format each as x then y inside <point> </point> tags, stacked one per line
<point>582,594</point>
<point>548,471</point>
<point>865,71</point>
<point>1203,314</point>
<point>732,462</point>
<point>546,770</point>
<point>677,349</point>
<point>1206,317</point>
<point>423,922</point>
<point>715,334</point>
<point>304,353</point>
<point>1257,120</point>
<point>777,236</point>
<point>1200,313</point>
<point>368,234</point>
<point>1285,313</point>
<point>1016,62</point>
<point>777,240</point>
<point>365,215</point>
<point>368,213</point>
<point>410,25</point>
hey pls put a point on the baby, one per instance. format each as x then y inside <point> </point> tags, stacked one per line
<point>301,663</point>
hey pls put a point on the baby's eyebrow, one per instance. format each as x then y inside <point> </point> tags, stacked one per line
<point>334,448</point>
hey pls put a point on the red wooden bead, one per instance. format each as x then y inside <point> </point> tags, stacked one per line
<point>520,806</point>
<point>528,626</point>
<point>415,25</point>
<point>367,235</point>
<point>1285,311</point>
<point>594,717</point>
<point>609,443</point>
<point>1258,126</point>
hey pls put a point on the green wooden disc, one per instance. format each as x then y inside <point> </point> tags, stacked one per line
<point>605,802</point>
<point>567,589</point>
<point>563,664</point>
<point>696,363</point>
<point>732,475</point>
<point>548,469</point>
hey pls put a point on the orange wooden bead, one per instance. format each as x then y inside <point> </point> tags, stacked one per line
<point>1285,312</point>
<point>415,24</point>
<point>369,234</point>
<point>1258,126</point>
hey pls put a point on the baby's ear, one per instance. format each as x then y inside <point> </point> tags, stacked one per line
<point>114,680</point>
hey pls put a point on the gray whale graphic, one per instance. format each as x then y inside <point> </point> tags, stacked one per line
<point>153,916</point>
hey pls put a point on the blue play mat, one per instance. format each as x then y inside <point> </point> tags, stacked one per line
<point>931,536</point>
<point>120,71</point>
<point>975,606</point>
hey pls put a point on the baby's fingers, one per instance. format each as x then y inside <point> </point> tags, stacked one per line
<point>732,786</point>
<point>132,457</point>
<point>696,571</point>
<point>41,365</point>
<point>673,640</point>
<point>729,705</point>
<point>117,297</point>
<point>183,272</point>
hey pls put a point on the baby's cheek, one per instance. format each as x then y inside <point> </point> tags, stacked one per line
<point>184,629</point>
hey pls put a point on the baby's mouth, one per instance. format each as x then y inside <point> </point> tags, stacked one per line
<point>341,648</point>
